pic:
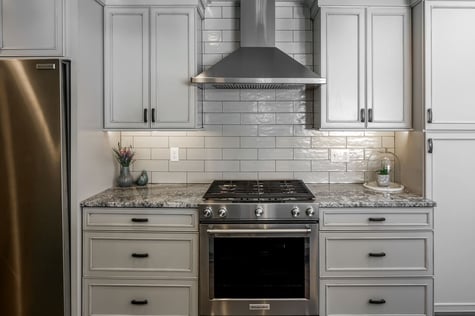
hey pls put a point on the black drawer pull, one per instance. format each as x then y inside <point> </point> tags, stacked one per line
<point>139,302</point>
<point>377,254</point>
<point>140,220</point>
<point>377,219</point>
<point>379,301</point>
<point>140,255</point>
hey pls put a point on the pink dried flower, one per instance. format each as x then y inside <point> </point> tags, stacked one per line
<point>124,155</point>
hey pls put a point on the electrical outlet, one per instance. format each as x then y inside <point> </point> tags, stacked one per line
<point>174,154</point>
<point>340,155</point>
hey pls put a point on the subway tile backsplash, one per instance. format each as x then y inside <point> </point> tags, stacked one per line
<point>256,134</point>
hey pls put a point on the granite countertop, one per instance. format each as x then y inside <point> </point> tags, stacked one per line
<point>190,195</point>
<point>355,195</point>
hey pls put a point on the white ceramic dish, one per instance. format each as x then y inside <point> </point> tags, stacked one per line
<point>392,188</point>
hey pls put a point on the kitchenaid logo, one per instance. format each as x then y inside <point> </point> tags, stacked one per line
<point>259,307</point>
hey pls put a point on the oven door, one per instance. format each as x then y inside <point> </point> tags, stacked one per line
<point>258,269</point>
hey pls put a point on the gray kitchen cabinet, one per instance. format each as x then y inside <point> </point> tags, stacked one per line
<point>140,261</point>
<point>399,296</point>
<point>436,157</point>
<point>31,28</point>
<point>364,51</point>
<point>449,181</point>
<point>376,261</point>
<point>444,44</point>
<point>147,297</point>
<point>151,52</point>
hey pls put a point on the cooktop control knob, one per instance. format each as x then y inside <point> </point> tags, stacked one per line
<point>310,211</point>
<point>208,212</point>
<point>259,211</point>
<point>295,211</point>
<point>222,212</point>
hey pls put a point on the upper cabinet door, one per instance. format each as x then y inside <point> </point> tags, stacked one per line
<point>388,56</point>
<point>365,54</point>
<point>173,63</point>
<point>31,28</point>
<point>343,64</point>
<point>126,71</point>
<point>450,65</point>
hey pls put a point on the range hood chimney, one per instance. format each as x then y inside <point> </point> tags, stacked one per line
<point>258,63</point>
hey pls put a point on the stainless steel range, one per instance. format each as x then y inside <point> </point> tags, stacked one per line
<point>258,249</point>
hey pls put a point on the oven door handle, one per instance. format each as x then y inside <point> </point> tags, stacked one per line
<point>260,231</point>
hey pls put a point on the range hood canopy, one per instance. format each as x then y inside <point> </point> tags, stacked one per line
<point>258,63</point>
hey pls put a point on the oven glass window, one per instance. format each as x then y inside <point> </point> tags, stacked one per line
<point>268,267</point>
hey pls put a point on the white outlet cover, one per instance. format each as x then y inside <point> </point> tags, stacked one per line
<point>340,155</point>
<point>174,154</point>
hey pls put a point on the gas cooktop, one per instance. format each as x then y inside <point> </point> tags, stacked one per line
<point>255,201</point>
<point>269,191</point>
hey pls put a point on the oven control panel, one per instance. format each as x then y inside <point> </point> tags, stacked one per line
<point>265,211</point>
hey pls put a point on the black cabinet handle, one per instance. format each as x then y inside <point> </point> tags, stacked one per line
<point>377,254</point>
<point>153,115</point>
<point>140,220</point>
<point>429,116</point>
<point>145,116</point>
<point>139,302</point>
<point>377,219</point>
<point>377,301</point>
<point>370,115</point>
<point>140,255</point>
<point>362,116</point>
<point>430,146</point>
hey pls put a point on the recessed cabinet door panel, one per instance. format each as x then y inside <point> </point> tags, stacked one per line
<point>449,182</point>
<point>31,28</point>
<point>126,67</point>
<point>375,254</point>
<point>144,297</point>
<point>389,72</point>
<point>396,296</point>
<point>343,53</point>
<point>173,62</point>
<point>137,254</point>
<point>450,65</point>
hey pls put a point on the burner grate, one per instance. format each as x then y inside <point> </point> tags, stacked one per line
<point>264,190</point>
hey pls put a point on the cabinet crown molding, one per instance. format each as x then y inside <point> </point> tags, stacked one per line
<point>199,4</point>
<point>355,3</point>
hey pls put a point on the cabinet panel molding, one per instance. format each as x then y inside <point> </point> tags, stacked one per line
<point>151,52</point>
<point>32,28</point>
<point>364,51</point>
<point>126,64</point>
<point>450,47</point>
<point>400,296</point>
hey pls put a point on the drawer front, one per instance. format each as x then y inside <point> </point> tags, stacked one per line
<point>376,297</point>
<point>376,254</point>
<point>376,218</point>
<point>160,297</point>
<point>140,255</point>
<point>158,219</point>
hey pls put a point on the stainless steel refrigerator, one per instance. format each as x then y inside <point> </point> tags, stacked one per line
<point>34,182</point>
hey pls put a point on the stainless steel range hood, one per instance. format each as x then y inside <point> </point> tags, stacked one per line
<point>258,63</point>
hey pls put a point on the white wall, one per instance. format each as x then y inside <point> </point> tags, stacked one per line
<point>93,168</point>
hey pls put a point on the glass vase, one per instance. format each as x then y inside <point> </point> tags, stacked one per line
<point>125,178</point>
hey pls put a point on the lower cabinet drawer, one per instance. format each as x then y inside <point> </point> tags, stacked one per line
<point>376,297</point>
<point>376,254</point>
<point>157,297</point>
<point>135,255</point>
